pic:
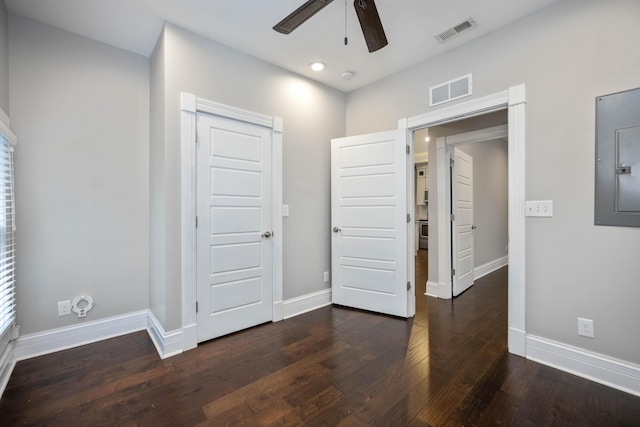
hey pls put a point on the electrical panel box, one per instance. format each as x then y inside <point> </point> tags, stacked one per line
<point>618,159</point>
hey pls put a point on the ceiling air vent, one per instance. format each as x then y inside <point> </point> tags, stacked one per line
<point>451,32</point>
<point>448,91</point>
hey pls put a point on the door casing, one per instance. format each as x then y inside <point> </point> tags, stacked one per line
<point>514,100</point>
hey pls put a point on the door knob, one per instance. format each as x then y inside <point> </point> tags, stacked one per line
<point>267,234</point>
<point>337,230</point>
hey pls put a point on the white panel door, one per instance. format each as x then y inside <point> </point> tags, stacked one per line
<point>234,252</point>
<point>368,215</point>
<point>462,224</point>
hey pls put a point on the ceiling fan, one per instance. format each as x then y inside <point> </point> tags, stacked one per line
<point>365,9</point>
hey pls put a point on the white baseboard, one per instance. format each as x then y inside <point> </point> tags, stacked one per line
<point>278,311</point>
<point>32,345</point>
<point>438,290</point>
<point>490,267</point>
<point>432,289</point>
<point>306,303</point>
<point>167,343</point>
<point>517,341</point>
<point>605,370</point>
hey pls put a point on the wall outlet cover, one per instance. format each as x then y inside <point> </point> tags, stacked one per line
<point>64,308</point>
<point>585,327</point>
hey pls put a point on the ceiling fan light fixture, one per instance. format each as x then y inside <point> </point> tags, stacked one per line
<point>317,66</point>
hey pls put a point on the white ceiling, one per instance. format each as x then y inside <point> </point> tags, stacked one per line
<point>246,25</point>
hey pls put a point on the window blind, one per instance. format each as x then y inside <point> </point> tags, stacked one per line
<point>7,241</point>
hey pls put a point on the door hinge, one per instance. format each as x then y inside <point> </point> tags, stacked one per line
<point>453,217</point>
<point>453,271</point>
<point>197,137</point>
<point>196,306</point>
<point>451,162</point>
<point>408,217</point>
<point>196,222</point>
<point>408,150</point>
<point>408,286</point>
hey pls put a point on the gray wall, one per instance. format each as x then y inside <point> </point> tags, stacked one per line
<point>157,207</point>
<point>81,112</point>
<point>312,114</point>
<point>4,58</point>
<point>567,55</point>
<point>490,199</point>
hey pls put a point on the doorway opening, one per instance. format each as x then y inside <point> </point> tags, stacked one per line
<point>513,101</point>
<point>486,232</point>
<point>489,203</point>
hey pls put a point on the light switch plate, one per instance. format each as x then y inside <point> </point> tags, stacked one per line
<point>285,210</point>
<point>542,208</point>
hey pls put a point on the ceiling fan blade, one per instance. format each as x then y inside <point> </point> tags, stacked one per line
<point>300,16</point>
<point>371,24</point>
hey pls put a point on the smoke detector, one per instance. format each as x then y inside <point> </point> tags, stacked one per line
<point>453,31</point>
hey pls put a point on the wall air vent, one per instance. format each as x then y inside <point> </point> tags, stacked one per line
<point>448,91</point>
<point>451,32</point>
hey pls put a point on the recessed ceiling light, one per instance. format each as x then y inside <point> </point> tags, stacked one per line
<point>318,66</point>
<point>427,139</point>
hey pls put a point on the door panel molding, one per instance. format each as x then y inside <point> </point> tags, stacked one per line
<point>190,105</point>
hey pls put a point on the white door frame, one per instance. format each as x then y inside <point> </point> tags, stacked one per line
<point>190,106</point>
<point>444,144</point>
<point>513,99</point>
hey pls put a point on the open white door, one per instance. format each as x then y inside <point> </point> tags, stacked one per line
<point>462,222</point>
<point>234,249</point>
<point>369,220</point>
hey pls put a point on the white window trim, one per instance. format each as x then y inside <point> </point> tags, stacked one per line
<point>7,337</point>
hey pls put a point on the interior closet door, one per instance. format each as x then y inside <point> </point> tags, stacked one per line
<point>234,249</point>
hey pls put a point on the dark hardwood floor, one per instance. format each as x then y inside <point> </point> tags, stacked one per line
<point>448,366</point>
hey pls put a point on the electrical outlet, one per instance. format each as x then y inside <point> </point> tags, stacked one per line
<point>585,327</point>
<point>64,308</point>
<point>326,276</point>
